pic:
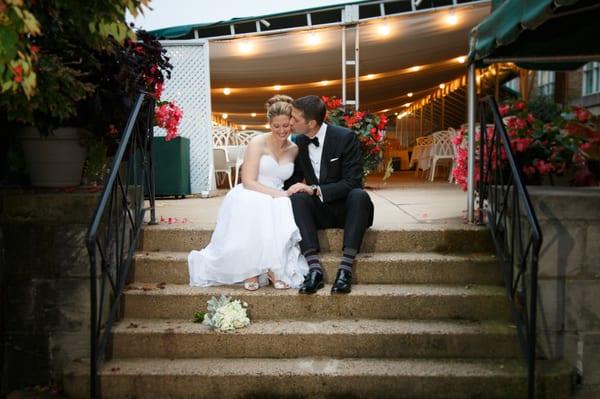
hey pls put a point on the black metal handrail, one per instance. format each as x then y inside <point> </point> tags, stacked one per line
<point>504,200</point>
<point>115,226</point>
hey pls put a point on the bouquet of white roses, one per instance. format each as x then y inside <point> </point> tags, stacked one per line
<point>225,314</point>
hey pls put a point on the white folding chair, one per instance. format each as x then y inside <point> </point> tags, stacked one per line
<point>222,163</point>
<point>424,160</point>
<point>442,149</point>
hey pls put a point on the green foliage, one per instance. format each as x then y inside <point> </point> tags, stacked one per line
<point>45,73</point>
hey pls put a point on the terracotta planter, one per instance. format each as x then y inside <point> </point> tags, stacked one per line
<point>56,160</point>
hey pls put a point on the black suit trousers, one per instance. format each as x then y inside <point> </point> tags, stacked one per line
<point>353,214</point>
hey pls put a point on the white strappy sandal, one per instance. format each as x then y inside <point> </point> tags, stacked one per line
<point>278,284</point>
<point>252,284</point>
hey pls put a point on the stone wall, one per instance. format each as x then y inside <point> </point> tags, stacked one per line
<point>46,273</point>
<point>569,277</point>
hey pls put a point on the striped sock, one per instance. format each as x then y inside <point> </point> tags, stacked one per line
<point>348,259</point>
<point>312,259</point>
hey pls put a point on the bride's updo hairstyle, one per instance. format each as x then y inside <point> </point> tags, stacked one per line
<point>279,104</point>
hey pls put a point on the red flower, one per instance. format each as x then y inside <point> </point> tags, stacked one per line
<point>112,130</point>
<point>529,170</point>
<point>158,89</point>
<point>543,167</point>
<point>520,105</point>
<point>521,145</point>
<point>585,146</point>
<point>504,108</point>
<point>582,115</point>
<point>18,71</point>
<point>168,116</point>
<point>35,48</point>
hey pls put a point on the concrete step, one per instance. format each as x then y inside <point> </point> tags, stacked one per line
<point>369,268</point>
<point>137,338</point>
<point>319,378</point>
<point>371,301</point>
<point>407,238</point>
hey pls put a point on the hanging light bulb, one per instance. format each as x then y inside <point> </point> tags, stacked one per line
<point>313,39</point>
<point>442,85</point>
<point>416,68</point>
<point>243,127</point>
<point>246,47</point>
<point>384,29</point>
<point>370,76</point>
<point>277,87</point>
<point>451,18</point>
<point>410,94</point>
<point>461,59</point>
<point>324,82</point>
<point>253,114</point>
<point>225,116</point>
<point>227,91</point>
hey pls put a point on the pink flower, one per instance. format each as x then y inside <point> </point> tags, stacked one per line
<point>529,170</point>
<point>168,116</point>
<point>543,167</point>
<point>504,108</point>
<point>521,145</point>
<point>582,114</point>
<point>521,123</point>
<point>530,118</point>
<point>585,146</point>
<point>158,89</point>
<point>520,105</point>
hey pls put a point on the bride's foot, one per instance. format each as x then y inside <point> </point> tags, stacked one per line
<point>251,284</point>
<point>277,284</point>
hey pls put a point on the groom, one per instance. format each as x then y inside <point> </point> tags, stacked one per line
<point>327,191</point>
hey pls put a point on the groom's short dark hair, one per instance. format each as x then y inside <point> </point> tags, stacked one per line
<point>312,107</point>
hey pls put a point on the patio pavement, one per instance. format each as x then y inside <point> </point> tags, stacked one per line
<point>403,199</point>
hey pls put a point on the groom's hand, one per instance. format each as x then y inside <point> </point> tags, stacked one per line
<point>300,188</point>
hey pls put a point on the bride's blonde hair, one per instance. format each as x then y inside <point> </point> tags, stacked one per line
<point>279,104</point>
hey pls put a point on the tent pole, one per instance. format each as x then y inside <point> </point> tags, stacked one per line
<point>344,66</point>
<point>356,68</point>
<point>471,135</point>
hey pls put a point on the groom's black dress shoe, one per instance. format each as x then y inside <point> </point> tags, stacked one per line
<point>343,282</point>
<point>312,282</point>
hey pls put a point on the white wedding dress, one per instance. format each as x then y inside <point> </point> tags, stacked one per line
<point>255,233</point>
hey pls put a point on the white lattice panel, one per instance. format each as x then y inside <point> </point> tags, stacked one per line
<point>189,86</point>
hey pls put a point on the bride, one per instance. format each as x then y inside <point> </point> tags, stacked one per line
<point>256,236</point>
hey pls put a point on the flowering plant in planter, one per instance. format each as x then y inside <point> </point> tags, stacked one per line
<point>545,144</point>
<point>370,129</point>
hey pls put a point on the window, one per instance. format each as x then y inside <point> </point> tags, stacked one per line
<point>591,78</point>
<point>514,84</point>
<point>545,82</point>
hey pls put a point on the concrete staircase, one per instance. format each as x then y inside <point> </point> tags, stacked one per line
<point>427,318</point>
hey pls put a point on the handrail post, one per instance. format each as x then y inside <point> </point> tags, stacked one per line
<point>471,142</point>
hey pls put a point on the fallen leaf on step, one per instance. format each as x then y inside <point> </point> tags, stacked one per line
<point>132,325</point>
<point>115,369</point>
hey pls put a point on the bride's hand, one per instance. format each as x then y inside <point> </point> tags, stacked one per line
<point>282,194</point>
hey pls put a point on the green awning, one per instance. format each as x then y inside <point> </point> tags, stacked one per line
<point>538,28</point>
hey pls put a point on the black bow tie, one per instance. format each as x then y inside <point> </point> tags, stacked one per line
<point>314,140</point>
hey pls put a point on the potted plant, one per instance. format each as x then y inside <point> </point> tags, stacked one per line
<point>369,128</point>
<point>50,53</point>
<point>551,146</point>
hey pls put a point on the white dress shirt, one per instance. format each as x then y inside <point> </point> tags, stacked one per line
<point>315,153</point>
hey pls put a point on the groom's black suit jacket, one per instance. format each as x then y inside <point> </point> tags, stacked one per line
<point>341,165</point>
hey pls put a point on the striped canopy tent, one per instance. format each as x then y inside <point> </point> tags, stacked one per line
<point>407,49</point>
